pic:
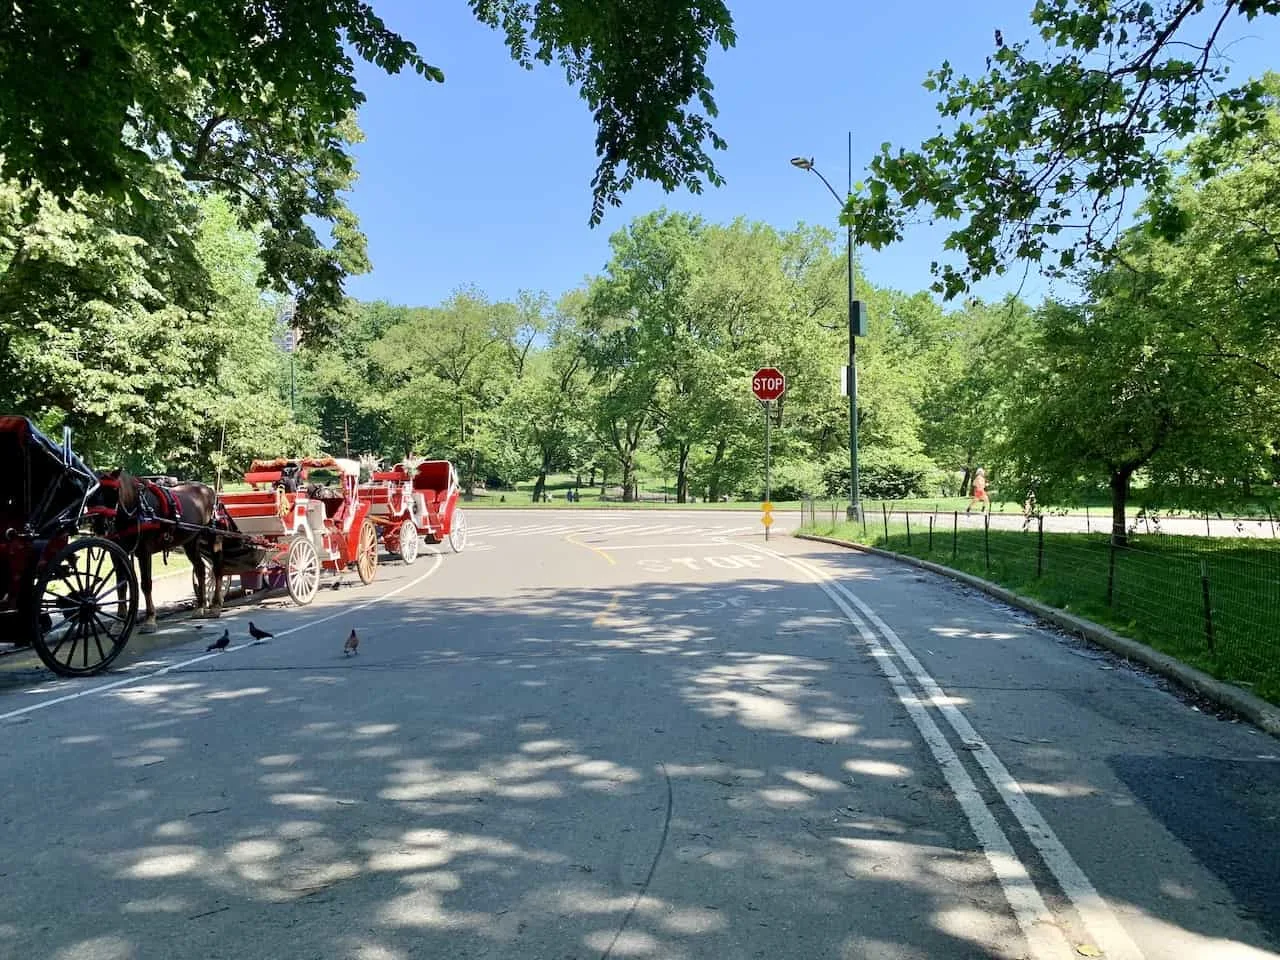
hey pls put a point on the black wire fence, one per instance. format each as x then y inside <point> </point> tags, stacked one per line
<point>1211,602</point>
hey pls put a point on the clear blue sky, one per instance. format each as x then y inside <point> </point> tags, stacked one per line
<point>485,179</point>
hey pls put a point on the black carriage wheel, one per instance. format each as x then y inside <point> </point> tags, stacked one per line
<point>85,605</point>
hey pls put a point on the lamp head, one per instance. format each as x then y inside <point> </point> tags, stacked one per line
<point>802,162</point>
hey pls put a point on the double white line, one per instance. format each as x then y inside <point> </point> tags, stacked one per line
<point>1044,935</point>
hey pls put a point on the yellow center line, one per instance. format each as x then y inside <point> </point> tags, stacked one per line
<point>578,543</point>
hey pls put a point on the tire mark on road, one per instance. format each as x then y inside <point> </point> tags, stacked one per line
<point>653,866</point>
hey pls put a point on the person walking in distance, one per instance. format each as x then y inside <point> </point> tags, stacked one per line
<point>979,494</point>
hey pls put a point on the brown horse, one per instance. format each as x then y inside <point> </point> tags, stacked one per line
<point>147,518</point>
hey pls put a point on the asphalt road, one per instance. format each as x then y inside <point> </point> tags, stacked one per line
<point>655,737</point>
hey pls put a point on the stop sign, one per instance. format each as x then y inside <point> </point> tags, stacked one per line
<point>768,383</point>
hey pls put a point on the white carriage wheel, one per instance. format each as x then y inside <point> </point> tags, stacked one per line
<point>302,571</point>
<point>367,553</point>
<point>458,531</point>
<point>408,542</point>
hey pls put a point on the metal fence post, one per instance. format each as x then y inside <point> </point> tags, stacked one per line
<point>986,538</point>
<point>908,529</point>
<point>1111,571</point>
<point>931,519</point>
<point>884,513</point>
<point>1088,527</point>
<point>955,529</point>
<point>1040,546</point>
<point>1208,607</point>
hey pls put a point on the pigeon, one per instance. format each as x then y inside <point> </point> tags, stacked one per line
<point>352,643</point>
<point>999,39</point>
<point>221,643</point>
<point>258,634</point>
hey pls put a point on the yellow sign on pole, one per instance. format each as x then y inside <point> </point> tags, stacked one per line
<point>766,515</point>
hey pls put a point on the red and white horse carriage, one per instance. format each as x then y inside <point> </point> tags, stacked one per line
<point>408,503</point>
<point>293,530</point>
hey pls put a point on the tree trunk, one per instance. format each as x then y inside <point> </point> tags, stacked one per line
<point>591,482</point>
<point>1119,497</point>
<point>540,485</point>
<point>713,491</point>
<point>604,481</point>
<point>682,474</point>
<point>964,481</point>
<point>628,491</point>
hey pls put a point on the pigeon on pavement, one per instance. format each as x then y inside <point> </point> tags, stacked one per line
<point>352,643</point>
<point>258,634</point>
<point>221,643</point>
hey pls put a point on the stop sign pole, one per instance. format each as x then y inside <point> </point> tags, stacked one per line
<point>768,385</point>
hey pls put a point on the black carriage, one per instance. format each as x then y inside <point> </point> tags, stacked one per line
<point>74,599</point>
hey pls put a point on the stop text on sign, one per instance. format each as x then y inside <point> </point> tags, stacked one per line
<point>768,383</point>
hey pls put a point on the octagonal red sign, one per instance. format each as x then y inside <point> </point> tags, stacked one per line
<point>768,383</point>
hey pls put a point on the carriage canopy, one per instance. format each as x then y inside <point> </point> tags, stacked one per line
<point>43,487</point>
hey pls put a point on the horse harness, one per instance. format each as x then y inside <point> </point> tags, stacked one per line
<point>157,511</point>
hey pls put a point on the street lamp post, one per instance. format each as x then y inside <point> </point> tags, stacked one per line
<point>857,324</point>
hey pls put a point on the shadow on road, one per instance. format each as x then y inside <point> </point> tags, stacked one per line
<point>554,773</point>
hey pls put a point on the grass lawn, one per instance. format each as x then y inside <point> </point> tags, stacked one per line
<point>1100,510</point>
<point>521,500</point>
<point>1157,590</point>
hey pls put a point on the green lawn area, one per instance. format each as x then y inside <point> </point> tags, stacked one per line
<point>652,494</point>
<point>1157,591</point>
<point>1099,510</point>
<point>494,500</point>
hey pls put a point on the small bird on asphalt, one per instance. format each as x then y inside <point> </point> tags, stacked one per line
<point>258,634</point>
<point>221,643</point>
<point>351,645</point>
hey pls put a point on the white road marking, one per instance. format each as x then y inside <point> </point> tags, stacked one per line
<point>1034,918</point>
<point>1099,919</point>
<point>659,546</point>
<point>169,668</point>
<point>607,529</point>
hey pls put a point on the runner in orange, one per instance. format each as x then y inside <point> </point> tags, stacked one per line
<point>979,491</point>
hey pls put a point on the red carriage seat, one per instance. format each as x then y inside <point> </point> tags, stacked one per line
<point>432,479</point>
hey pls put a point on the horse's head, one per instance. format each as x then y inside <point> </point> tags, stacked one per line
<point>117,490</point>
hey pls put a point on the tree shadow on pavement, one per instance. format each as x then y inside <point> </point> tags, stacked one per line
<point>665,770</point>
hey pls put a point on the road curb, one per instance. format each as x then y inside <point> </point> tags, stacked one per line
<point>1253,708</point>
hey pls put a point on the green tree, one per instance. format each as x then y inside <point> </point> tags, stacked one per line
<point>961,403</point>
<point>254,100</point>
<point>1120,385</point>
<point>1043,151</point>
<point>543,412</point>
<point>443,370</point>
<point>103,320</point>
